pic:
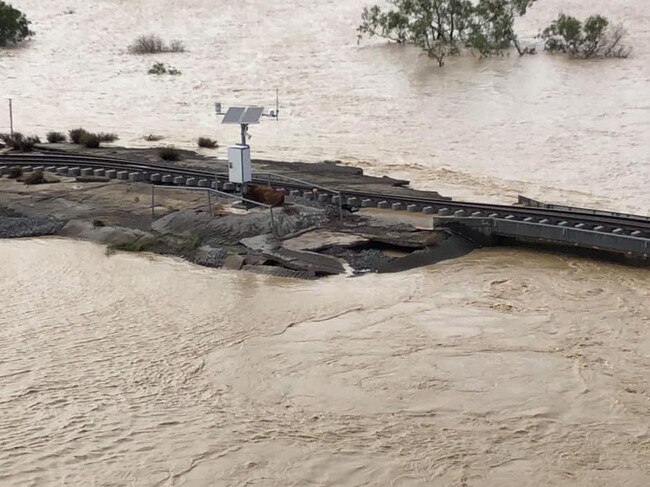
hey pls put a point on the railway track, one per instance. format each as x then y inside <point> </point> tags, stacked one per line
<point>626,225</point>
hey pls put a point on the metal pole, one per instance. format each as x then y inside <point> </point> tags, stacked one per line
<point>11,118</point>
<point>341,207</point>
<point>153,200</point>
<point>268,179</point>
<point>273,229</point>
<point>243,134</point>
<point>209,203</point>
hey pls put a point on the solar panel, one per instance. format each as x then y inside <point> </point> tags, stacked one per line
<point>252,115</point>
<point>233,115</point>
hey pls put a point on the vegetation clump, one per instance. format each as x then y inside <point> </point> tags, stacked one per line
<point>161,68</point>
<point>153,138</point>
<point>444,27</point>
<point>15,172</point>
<point>169,154</point>
<point>592,38</point>
<point>207,143</point>
<point>90,141</point>
<point>153,44</point>
<point>76,135</point>
<point>447,27</point>
<point>107,137</point>
<point>56,137</point>
<point>19,142</point>
<point>14,26</point>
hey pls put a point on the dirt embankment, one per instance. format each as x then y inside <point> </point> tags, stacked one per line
<point>304,239</point>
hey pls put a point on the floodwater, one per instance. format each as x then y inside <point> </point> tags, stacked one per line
<point>545,126</point>
<point>505,367</point>
<point>122,370</point>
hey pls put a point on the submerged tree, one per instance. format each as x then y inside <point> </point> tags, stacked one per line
<point>14,26</point>
<point>593,38</point>
<point>443,27</point>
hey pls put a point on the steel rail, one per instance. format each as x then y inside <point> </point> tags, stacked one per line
<point>568,215</point>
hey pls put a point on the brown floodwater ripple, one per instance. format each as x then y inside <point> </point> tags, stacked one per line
<point>124,370</point>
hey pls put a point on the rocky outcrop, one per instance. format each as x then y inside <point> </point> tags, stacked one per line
<point>310,262</point>
<point>229,229</point>
<point>105,234</point>
<point>19,227</point>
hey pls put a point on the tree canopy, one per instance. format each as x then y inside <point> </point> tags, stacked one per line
<point>444,27</point>
<point>594,37</point>
<point>14,26</point>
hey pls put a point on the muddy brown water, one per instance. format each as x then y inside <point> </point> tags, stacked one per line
<point>505,367</point>
<point>126,370</point>
<point>489,129</point>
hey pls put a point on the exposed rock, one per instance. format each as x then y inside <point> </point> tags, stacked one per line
<point>268,270</point>
<point>397,235</point>
<point>254,258</point>
<point>109,235</point>
<point>210,256</point>
<point>60,208</point>
<point>293,259</point>
<point>322,239</point>
<point>261,243</point>
<point>233,262</point>
<point>230,229</point>
<point>19,227</point>
<point>306,261</point>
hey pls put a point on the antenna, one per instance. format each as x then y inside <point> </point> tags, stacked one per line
<point>274,112</point>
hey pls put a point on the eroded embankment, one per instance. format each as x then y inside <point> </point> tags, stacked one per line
<point>310,240</point>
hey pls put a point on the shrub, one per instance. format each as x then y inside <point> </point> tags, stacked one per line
<point>14,26</point>
<point>153,138</point>
<point>56,137</point>
<point>177,46</point>
<point>150,44</point>
<point>169,154</point>
<point>8,139</point>
<point>153,44</point>
<point>161,68</point>
<point>158,68</point>
<point>592,38</point>
<point>90,141</point>
<point>76,135</point>
<point>107,137</point>
<point>19,142</point>
<point>15,172</point>
<point>34,178</point>
<point>207,143</point>
<point>27,144</point>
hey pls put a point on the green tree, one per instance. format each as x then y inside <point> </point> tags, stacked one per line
<point>595,37</point>
<point>14,26</point>
<point>443,27</point>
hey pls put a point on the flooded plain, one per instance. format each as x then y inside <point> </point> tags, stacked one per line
<point>505,367</point>
<point>544,126</point>
<point>123,370</point>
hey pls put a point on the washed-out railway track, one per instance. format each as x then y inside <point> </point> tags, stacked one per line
<point>632,228</point>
